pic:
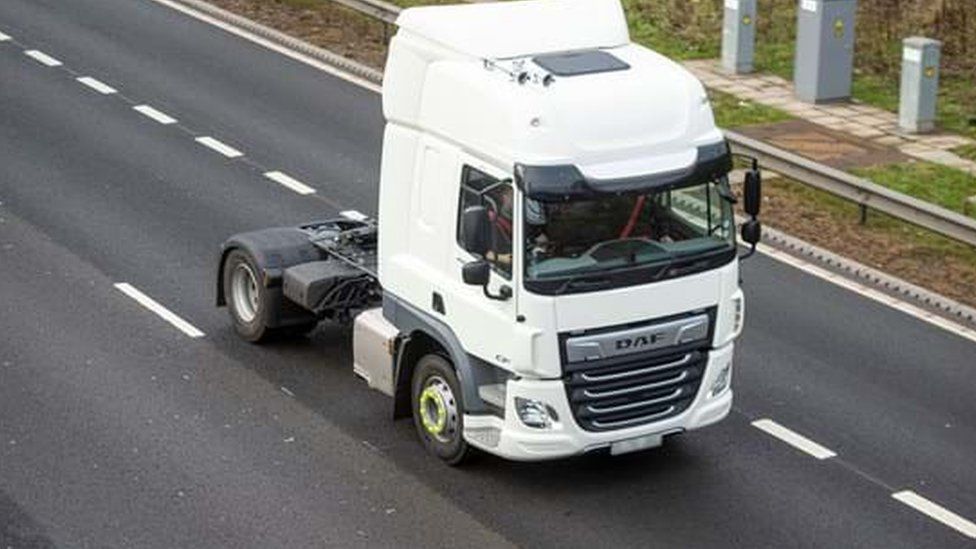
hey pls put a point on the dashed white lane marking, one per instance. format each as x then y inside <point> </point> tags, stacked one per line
<point>870,293</point>
<point>42,58</point>
<point>97,85</point>
<point>4,37</point>
<point>154,114</point>
<point>287,391</point>
<point>795,440</point>
<point>354,215</point>
<point>324,67</point>
<point>937,512</point>
<point>159,310</point>
<point>289,182</point>
<point>226,150</point>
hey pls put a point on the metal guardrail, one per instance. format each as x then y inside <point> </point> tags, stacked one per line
<point>858,190</point>
<point>866,194</point>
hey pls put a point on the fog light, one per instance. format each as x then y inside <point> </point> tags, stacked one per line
<point>721,382</point>
<point>534,413</point>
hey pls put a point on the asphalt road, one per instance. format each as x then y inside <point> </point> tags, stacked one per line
<point>116,429</point>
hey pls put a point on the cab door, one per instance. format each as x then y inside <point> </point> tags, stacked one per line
<point>484,325</point>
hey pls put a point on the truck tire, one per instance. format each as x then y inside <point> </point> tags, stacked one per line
<point>247,299</point>
<point>438,409</point>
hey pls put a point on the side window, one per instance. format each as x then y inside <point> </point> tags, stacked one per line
<point>480,189</point>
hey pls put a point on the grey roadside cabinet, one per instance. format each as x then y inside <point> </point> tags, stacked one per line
<point>919,84</point>
<point>739,36</point>
<point>824,50</point>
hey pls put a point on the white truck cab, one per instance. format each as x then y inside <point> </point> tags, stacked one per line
<point>556,268</point>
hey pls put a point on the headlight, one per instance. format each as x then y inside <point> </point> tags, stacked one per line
<point>722,380</point>
<point>535,413</point>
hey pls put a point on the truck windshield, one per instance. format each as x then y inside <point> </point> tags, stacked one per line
<point>615,240</point>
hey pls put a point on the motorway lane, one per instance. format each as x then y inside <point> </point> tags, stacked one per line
<point>243,94</point>
<point>116,431</point>
<point>172,202</point>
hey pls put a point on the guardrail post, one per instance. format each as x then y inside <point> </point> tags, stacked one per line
<point>739,36</point>
<point>824,64</point>
<point>919,84</point>
<point>969,205</point>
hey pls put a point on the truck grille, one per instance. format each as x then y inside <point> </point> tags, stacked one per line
<point>633,390</point>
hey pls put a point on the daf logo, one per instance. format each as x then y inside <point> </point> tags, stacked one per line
<point>638,342</point>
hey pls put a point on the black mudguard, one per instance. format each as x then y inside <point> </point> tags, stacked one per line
<point>274,250</point>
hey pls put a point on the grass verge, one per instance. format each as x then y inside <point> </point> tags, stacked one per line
<point>692,29</point>
<point>967,151</point>
<point>733,112</point>
<point>947,187</point>
<point>885,243</point>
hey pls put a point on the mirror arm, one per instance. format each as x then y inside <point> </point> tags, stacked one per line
<point>749,253</point>
<point>504,293</point>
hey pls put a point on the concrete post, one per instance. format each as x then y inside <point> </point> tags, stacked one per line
<point>824,50</point>
<point>739,36</point>
<point>919,84</point>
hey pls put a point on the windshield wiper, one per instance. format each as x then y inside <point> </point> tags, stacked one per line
<point>693,261</point>
<point>580,282</point>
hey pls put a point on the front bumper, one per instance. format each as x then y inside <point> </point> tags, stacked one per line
<point>511,439</point>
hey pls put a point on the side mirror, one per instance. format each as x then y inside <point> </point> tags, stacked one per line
<point>751,232</point>
<point>752,193</point>
<point>474,232</point>
<point>476,273</point>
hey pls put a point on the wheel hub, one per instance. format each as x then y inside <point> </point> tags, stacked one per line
<point>244,292</point>
<point>438,409</point>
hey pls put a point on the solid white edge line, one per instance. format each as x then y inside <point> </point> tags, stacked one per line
<point>334,71</point>
<point>213,144</point>
<point>154,114</point>
<point>937,512</point>
<point>159,310</point>
<point>42,58</point>
<point>869,293</point>
<point>289,182</point>
<point>4,37</point>
<point>354,215</point>
<point>97,85</point>
<point>794,439</point>
<point>903,306</point>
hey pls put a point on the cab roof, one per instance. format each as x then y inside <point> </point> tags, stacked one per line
<point>503,30</point>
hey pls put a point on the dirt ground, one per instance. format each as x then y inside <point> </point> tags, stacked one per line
<point>319,22</point>
<point>926,259</point>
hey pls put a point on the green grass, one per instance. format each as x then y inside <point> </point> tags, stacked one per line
<point>692,29</point>
<point>841,210</point>
<point>967,151</point>
<point>732,112</point>
<point>649,25</point>
<point>947,187</point>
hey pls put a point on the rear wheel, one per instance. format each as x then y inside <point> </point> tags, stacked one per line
<point>438,410</point>
<point>247,299</point>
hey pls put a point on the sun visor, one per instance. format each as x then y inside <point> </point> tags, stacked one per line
<point>567,182</point>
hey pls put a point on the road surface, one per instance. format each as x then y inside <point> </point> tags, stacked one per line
<point>120,428</point>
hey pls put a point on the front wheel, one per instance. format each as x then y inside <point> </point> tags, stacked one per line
<point>438,410</point>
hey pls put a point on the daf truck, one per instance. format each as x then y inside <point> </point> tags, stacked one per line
<point>553,268</point>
